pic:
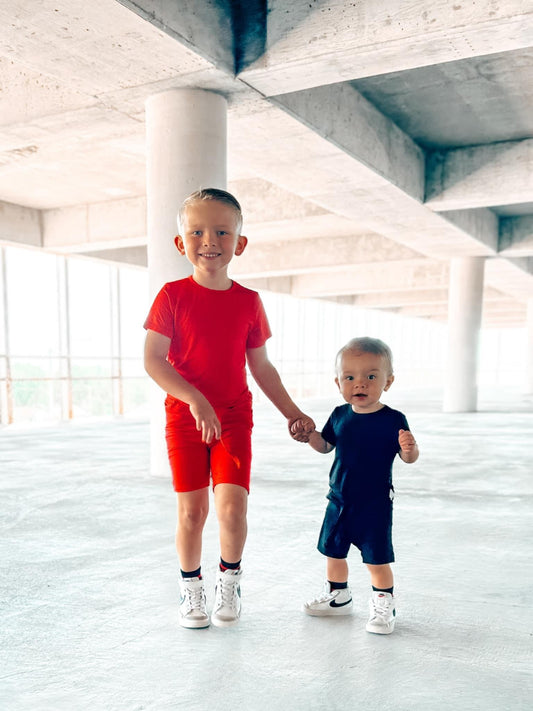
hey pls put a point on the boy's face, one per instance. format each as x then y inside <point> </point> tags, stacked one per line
<point>210,236</point>
<point>361,378</point>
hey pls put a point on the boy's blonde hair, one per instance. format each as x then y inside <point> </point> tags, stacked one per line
<point>366,344</point>
<point>211,194</point>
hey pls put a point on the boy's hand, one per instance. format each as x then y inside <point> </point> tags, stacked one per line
<point>406,441</point>
<point>206,420</point>
<point>301,427</point>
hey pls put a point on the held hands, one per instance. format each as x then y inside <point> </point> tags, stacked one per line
<point>206,420</point>
<point>301,427</point>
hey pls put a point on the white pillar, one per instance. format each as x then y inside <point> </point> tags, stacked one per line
<point>465,300</point>
<point>186,150</point>
<point>529,353</point>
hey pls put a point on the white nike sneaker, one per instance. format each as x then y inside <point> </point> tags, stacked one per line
<point>331,602</point>
<point>227,608</point>
<point>382,613</point>
<point>192,609</point>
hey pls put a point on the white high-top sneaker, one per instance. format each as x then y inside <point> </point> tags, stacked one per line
<point>192,610</point>
<point>382,613</point>
<point>331,602</point>
<point>227,607</point>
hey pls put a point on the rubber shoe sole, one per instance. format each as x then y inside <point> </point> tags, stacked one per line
<point>332,610</point>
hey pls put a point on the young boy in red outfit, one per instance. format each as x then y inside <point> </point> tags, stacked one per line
<point>201,332</point>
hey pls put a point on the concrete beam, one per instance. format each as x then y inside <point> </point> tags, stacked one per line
<point>317,255</point>
<point>97,226</point>
<point>513,277</point>
<point>481,176</point>
<point>369,278</point>
<point>278,285</point>
<point>322,170</point>
<point>311,44</point>
<point>21,225</point>
<point>516,236</point>
<point>133,256</point>
<point>346,119</point>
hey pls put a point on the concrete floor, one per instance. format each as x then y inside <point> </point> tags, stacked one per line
<point>89,583</point>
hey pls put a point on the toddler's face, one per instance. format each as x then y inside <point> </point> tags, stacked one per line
<point>361,378</point>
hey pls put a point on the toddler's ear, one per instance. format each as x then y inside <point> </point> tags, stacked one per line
<point>179,244</point>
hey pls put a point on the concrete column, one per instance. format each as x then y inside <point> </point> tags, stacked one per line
<point>464,322</point>
<point>186,150</point>
<point>529,353</point>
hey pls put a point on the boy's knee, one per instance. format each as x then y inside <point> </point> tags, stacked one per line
<point>232,511</point>
<point>191,518</point>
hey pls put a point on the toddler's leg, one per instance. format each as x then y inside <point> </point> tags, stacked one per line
<point>337,570</point>
<point>382,607</point>
<point>336,598</point>
<point>381,576</point>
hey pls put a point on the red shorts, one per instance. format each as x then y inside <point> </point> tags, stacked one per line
<point>226,460</point>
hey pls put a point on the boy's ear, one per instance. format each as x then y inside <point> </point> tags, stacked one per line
<point>179,244</point>
<point>242,241</point>
<point>390,381</point>
<point>337,383</point>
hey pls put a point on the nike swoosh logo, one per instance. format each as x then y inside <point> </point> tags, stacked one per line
<point>334,603</point>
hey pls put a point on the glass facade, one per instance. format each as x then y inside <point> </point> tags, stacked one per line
<point>71,341</point>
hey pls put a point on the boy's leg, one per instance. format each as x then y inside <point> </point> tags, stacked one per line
<point>231,502</point>
<point>382,607</point>
<point>336,598</point>
<point>193,507</point>
<point>192,513</point>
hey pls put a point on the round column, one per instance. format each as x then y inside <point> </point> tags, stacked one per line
<point>185,151</point>
<point>465,301</point>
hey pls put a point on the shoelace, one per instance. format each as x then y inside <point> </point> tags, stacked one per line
<point>381,607</point>
<point>228,591</point>
<point>194,599</point>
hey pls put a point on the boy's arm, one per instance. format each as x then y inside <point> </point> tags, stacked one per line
<point>159,369</point>
<point>267,377</point>
<point>409,448</point>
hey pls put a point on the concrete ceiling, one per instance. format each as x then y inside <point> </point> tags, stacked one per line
<point>368,142</point>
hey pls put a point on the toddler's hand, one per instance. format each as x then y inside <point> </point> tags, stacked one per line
<point>301,428</point>
<point>406,441</point>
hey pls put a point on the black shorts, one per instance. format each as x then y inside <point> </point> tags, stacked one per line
<point>366,526</point>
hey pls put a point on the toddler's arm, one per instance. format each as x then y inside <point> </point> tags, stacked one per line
<point>267,377</point>
<point>314,438</point>
<point>409,448</point>
<point>159,369</point>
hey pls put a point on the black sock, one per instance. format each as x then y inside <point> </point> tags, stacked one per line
<point>192,573</point>
<point>389,590</point>
<point>337,586</point>
<point>229,566</point>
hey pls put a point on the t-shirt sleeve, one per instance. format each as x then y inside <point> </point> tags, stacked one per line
<point>328,432</point>
<point>160,317</point>
<point>260,329</point>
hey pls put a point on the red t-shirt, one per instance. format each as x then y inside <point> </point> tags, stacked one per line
<point>209,333</point>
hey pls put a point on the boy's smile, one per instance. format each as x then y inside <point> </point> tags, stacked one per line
<point>361,379</point>
<point>209,240</point>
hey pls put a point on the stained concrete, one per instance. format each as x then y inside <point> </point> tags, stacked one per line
<point>89,583</point>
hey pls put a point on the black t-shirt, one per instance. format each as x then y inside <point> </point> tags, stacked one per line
<point>365,447</point>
